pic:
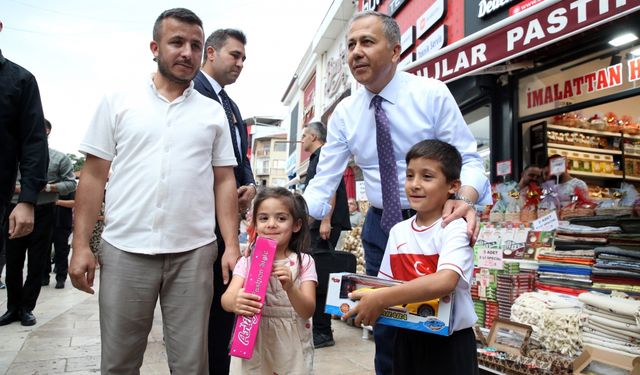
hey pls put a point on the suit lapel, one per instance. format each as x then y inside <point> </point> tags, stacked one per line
<point>209,91</point>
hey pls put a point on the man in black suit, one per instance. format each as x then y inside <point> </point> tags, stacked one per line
<point>223,62</point>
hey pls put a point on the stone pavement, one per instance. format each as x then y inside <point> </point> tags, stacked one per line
<point>66,340</point>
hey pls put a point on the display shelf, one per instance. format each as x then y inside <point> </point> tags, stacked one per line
<point>585,131</point>
<point>587,149</point>
<point>632,136</point>
<point>632,178</point>
<point>489,369</point>
<point>593,174</point>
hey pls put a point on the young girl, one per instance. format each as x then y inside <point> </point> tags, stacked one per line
<point>285,341</point>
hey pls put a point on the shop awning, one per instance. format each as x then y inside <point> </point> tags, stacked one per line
<point>536,27</point>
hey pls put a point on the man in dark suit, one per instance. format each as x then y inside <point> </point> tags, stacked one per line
<point>223,62</point>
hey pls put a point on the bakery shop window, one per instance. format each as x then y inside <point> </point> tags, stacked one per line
<point>588,112</point>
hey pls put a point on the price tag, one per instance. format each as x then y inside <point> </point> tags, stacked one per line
<point>557,166</point>
<point>490,258</point>
<point>361,194</point>
<point>548,222</point>
<point>503,168</point>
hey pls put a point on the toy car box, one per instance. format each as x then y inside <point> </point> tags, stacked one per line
<point>429,316</point>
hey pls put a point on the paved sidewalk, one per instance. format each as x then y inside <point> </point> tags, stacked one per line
<point>66,340</point>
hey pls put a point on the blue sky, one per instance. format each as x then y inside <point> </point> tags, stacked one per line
<point>80,49</point>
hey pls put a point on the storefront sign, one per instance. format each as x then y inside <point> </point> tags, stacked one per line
<point>407,38</point>
<point>337,75</point>
<point>516,36</point>
<point>523,6</point>
<point>486,7</point>
<point>429,18</point>
<point>370,4</point>
<point>433,43</point>
<point>309,101</point>
<point>503,168</point>
<point>601,79</point>
<point>407,60</point>
<point>394,6</point>
<point>573,82</point>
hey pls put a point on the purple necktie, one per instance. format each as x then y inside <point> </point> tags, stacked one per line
<point>391,214</point>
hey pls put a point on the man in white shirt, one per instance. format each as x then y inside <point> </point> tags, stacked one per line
<point>417,108</point>
<point>172,162</point>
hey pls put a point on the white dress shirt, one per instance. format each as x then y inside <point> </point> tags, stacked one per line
<point>160,197</point>
<point>418,108</point>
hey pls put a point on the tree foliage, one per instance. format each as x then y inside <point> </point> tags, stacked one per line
<point>78,161</point>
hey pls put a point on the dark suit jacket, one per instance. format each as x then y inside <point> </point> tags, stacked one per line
<point>244,175</point>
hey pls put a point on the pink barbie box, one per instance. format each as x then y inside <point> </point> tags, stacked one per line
<point>246,328</point>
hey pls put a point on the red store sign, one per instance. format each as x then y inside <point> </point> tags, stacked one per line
<point>520,34</point>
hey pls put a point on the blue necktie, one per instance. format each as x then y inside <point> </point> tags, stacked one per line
<point>392,212</point>
<point>226,104</point>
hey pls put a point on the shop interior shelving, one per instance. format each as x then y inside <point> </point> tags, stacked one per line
<point>616,152</point>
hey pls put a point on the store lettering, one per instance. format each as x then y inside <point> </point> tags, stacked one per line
<point>601,79</point>
<point>370,4</point>
<point>464,60</point>
<point>556,21</point>
<point>634,69</point>
<point>486,7</point>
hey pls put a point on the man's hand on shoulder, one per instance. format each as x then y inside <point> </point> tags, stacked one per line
<point>21,220</point>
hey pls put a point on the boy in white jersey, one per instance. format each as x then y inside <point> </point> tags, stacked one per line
<point>434,262</point>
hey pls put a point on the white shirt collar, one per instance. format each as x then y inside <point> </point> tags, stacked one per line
<point>390,92</point>
<point>216,86</point>
<point>185,94</point>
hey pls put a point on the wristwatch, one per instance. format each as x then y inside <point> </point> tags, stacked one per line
<point>466,200</point>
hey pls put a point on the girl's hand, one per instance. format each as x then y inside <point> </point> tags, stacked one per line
<point>247,304</point>
<point>283,273</point>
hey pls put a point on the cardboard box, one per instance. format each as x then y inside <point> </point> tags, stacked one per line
<point>430,316</point>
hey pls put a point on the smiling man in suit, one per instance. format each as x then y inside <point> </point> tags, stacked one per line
<point>223,62</point>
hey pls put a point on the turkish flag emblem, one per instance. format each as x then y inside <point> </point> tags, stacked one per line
<point>407,267</point>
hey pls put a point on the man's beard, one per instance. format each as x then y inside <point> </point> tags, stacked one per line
<point>164,70</point>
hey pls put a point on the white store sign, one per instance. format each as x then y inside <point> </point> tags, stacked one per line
<point>407,38</point>
<point>430,17</point>
<point>433,43</point>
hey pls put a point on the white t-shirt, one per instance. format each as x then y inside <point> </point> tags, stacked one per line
<point>413,251</point>
<point>160,195</point>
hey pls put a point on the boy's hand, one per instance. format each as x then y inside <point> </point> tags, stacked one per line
<point>283,273</point>
<point>247,304</point>
<point>367,310</point>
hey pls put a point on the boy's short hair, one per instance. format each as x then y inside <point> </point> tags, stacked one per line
<point>433,149</point>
